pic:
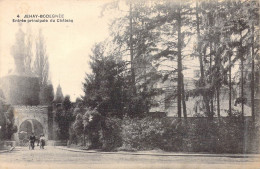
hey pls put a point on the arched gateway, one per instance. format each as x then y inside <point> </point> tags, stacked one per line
<point>30,119</point>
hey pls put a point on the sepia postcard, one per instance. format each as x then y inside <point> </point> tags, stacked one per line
<point>149,84</point>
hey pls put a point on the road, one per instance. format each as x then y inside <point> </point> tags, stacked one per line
<point>53,158</point>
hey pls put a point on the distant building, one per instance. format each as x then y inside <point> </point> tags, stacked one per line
<point>167,102</point>
<point>59,95</point>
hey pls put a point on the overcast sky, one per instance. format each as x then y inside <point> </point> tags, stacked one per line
<point>68,44</point>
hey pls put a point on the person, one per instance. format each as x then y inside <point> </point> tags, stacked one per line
<point>42,141</point>
<point>38,140</point>
<point>32,141</point>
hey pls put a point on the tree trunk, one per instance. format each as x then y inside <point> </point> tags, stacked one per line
<point>183,99</point>
<point>84,137</point>
<point>145,78</point>
<point>132,50</point>
<point>242,87</point>
<point>211,92</point>
<point>202,81</point>
<point>179,85</point>
<point>242,75</point>
<point>253,76</point>
<point>199,45</point>
<point>218,101</point>
<point>218,85</point>
<point>230,87</point>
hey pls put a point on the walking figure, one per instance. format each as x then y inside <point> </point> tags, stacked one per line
<point>42,141</point>
<point>32,141</point>
<point>38,140</point>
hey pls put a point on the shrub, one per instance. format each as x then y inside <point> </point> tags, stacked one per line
<point>202,135</point>
<point>142,134</point>
<point>92,122</point>
<point>173,135</point>
<point>111,133</point>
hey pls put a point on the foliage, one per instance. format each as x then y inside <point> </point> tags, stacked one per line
<point>190,135</point>
<point>108,88</point>
<point>64,117</point>
<point>161,32</point>
<point>105,87</point>
<point>111,137</point>
<point>7,123</point>
<point>77,129</point>
<point>142,134</point>
<point>41,63</point>
<point>198,134</point>
<point>67,103</point>
<point>87,127</point>
<point>2,124</point>
<point>46,95</point>
<point>92,124</point>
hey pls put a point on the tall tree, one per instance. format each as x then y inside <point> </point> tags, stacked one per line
<point>253,17</point>
<point>64,118</point>
<point>41,63</point>
<point>174,18</point>
<point>105,89</point>
<point>202,82</point>
<point>28,52</point>
<point>131,36</point>
<point>131,49</point>
<point>179,84</point>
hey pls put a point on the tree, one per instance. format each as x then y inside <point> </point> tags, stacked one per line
<point>253,16</point>
<point>64,118</point>
<point>105,88</point>
<point>67,103</point>
<point>133,42</point>
<point>92,122</point>
<point>41,63</point>
<point>172,21</point>
<point>46,95</point>
<point>41,69</point>
<point>28,52</point>
<point>78,127</point>
<point>108,89</point>
<point>11,128</point>
<point>202,82</point>
<point>2,115</point>
<point>8,128</point>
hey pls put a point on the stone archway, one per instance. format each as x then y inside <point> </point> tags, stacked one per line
<point>30,119</point>
<point>28,127</point>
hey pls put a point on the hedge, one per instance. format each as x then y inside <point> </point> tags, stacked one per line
<point>225,135</point>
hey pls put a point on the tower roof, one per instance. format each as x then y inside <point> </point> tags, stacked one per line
<point>59,95</point>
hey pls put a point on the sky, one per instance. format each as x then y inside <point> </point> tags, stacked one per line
<point>68,44</point>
